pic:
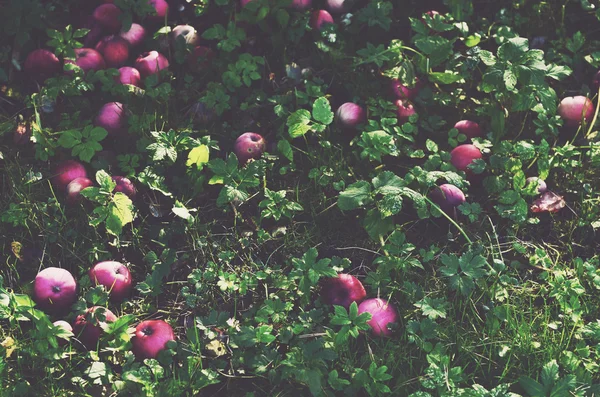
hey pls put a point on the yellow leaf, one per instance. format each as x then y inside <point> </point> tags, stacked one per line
<point>198,156</point>
<point>9,345</point>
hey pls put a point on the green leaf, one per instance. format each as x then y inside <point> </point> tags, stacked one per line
<point>285,149</point>
<point>487,57</point>
<point>198,156</point>
<point>446,77</point>
<point>322,111</point>
<point>355,196</point>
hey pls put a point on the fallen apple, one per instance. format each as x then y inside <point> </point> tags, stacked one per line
<point>135,35</point>
<point>87,59</point>
<point>342,290</point>
<point>463,155</point>
<point>74,189</point>
<point>108,16</point>
<point>161,9</point>
<point>350,115</point>
<point>129,75</point>
<point>114,50</point>
<point>405,110</point>
<point>41,64</point>
<point>54,290</point>
<point>114,276</point>
<point>125,186</point>
<point>448,197</point>
<point>113,118</point>
<point>88,326</point>
<point>149,63</point>
<point>249,145</point>
<point>337,6</point>
<point>468,128</point>
<point>65,172</point>
<point>574,110</point>
<point>404,92</point>
<point>320,18</point>
<point>150,338</point>
<point>382,314</point>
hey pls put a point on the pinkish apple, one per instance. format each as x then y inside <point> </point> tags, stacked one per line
<point>149,63</point>
<point>112,117</point>
<point>107,16</point>
<point>382,314</point>
<point>87,59</point>
<point>114,276</point>
<point>301,5</point>
<point>187,33</point>
<point>161,8</point>
<point>575,109</point>
<point>448,197</point>
<point>403,92</point>
<point>54,290</point>
<point>41,64</point>
<point>135,35</point>
<point>114,49</point>
<point>342,290</point>
<point>469,128</point>
<point>65,172</point>
<point>405,110</point>
<point>463,155</point>
<point>337,6</point>
<point>74,189</point>
<point>151,336</point>
<point>129,75</point>
<point>320,18</point>
<point>249,145</point>
<point>125,186</point>
<point>349,115</point>
<point>88,326</point>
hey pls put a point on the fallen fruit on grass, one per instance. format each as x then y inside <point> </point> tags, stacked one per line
<point>125,186</point>
<point>448,197</point>
<point>469,128</point>
<point>108,17</point>
<point>41,64</point>
<point>541,184</point>
<point>320,18</point>
<point>135,35</point>
<point>342,290</point>
<point>187,33</point>
<point>336,6</point>
<point>574,109</point>
<point>129,75</point>
<point>548,202</point>
<point>405,110</point>
<point>161,9</point>
<point>65,172</point>
<point>114,50</point>
<point>54,289</point>
<point>112,117</point>
<point>87,59</point>
<point>382,314</point>
<point>74,189</point>
<point>151,336</point>
<point>88,326</point>
<point>152,62</point>
<point>249,145</point>
<point>403,92</point>
<point>114,276</point>
<point>463,155</point>
<point>349,115</point>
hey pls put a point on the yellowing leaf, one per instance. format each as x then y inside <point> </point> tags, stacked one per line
<point>9,345</point>
<point>198,156</point>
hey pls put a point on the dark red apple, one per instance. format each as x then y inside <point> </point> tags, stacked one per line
<point>249,145</point>
<point>88,326</point>
<point>87,59</point>
<point>151,336</point>
<point>541,184</point>
<point>469,128</point>
<point>405,110</point>
<point>448,197</point>
<point>575,109</point>
<point>301,5</point>
<point>114,49</point>
<point>187,33</point>
<point>74,189</point>
<point>149,63</point>
<point>382,314</point>
<point>54,290</point>
<point>129,75</point>
<point>65,172</point>
<point>41,64</point>
<point>320,18</point>
<point>403,92</point>
<point>114,276</point>
<point>66,327</point>
<point>161,8</point>
<point>135,35</point>
<point>96,32</point>
<point>107,16</point>
<point>113,118</point>
<point>349,115</point>
<point>463,155</point>
<point>337,6</point>
<point>342,290</point>
<point>125,186</point>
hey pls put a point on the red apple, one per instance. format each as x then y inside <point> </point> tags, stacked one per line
<point>151,336</point>
<point>405,110</point>
<point>65,172</point>
<point>125,186</point>
<point>575,109</point>
<point>107,16</point>
<point>541,184</point>
<point>244,2</point>
<point>41,64</point>
<point>349,115</point>
<point>448,197</point>
<point>94,35</point>
<point>319,18</point>
<point>403,92</point>
<point>469,128</point>
<point>113,118</point>
<point>74,189</point>
<point>65,326</point>
<point>463,155</point>
<point>249,145</point>
<point>382,314</point>
<point>114,49</point>
<point>161,8</point>
<point>87,59</point>
<point>114,276</point>
<point>54,290</point>
<point>149,63</point>
<point>336,6</point>
<point>301,5</point>
<point>87,326</point>
<point>187,33</point>
<point>135,35</point>
<point>129,75</point>
<point>342,290</point>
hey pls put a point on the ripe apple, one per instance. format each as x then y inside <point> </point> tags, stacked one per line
<point>41,64</point>
<point>249,145</point>
<point>301,5</point>
<point>161,8</point>
<point>94,35</point>
<point>114,49</point>
<point>541,184</point>
<point>448,197</point>
<point>149,63</point>
<point>573,109</point>
<point>87,59</point>
<point>463,155</point>
<point>337,6</point>
<point>349,115</point>
<point>125,186</point>
<point>54,289</point>
<point>87,326</point>
<point>320,18</point>
<point>65,172</point>
<point>244,2</point>
<point>382,314</point>
<point>135,35</point>
<point>114,276</point>
<point>74,189</point>
<point>65,326</point>
<point>107,16</point>
<point>113,118</point>
<point>129,75</point>
<point>151,336</point>
<point>187,33</point>
<point>469,128</point>
<point>342,290</point>
<point>403,92</point>
<point>405,110</point>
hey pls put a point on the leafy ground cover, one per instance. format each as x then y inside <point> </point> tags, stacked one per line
<point>496,291</point>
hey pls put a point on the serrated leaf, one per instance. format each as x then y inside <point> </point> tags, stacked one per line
<point>198,156</point>
<point>355,196</point>
<point>322,111</point>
